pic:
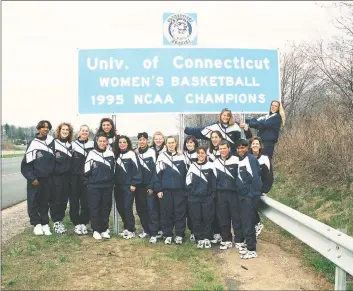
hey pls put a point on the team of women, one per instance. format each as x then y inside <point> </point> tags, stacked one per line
<point>210,191</point>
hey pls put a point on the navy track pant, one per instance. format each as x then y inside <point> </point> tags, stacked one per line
<point>269,147</point>
<point>99,204</point>
<point>173,210</point>
<point>226,212</point>
<point>59,196</point>
<point>38,201</point>
<point>147,207</point>
<point>124,198</point>
<point>202,215</point>
<point>215,225</point>
<point>246,209</point>
<point>78,201</point>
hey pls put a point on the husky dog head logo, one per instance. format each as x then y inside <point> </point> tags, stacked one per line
<point>180,29</point>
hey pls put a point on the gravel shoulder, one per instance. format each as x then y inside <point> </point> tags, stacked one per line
<point>14,220</point>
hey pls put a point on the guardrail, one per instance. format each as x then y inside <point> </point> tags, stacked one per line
<point>333,244</point>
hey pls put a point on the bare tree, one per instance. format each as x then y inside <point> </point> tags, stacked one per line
<point>334,60</point>
<point>299,82</point>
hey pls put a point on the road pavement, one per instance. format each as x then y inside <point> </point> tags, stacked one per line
<point>13,184</point>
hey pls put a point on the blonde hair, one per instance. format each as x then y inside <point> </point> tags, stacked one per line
<point>231,119</point>
<point>280,111</point>
<point>154,135</point>
<point>83,125</point>
<point>71,130</point>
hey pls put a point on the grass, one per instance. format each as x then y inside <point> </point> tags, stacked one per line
<point>86,264</point>
<point>330,206</point>
<point>11,156</point>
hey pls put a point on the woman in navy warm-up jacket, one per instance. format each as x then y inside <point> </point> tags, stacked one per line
<point>269,127</point>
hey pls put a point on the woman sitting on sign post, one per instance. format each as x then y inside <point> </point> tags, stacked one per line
<point>229,129</point>
<point>268,126</point>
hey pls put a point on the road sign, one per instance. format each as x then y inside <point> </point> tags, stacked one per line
<point>177,80</point>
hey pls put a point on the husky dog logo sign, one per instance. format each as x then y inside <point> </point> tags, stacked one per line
<point>179,29</point>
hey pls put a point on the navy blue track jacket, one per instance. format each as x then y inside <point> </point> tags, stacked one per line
<point>39,159</point>
<point>269,126</point>
<point>226,173</point>
<point>160,150</point>
<point>99,169</point>
<point>170,172</point>
<point>230,133</point>
<point>266,173</point>
<point>80,150</point>
<point>63,155</point>
<point>249,176</point>
<point>147,162</point>
<point>127,170</point>
<point>200,181</point>
<point>190,157</point>
<point>213,156</point>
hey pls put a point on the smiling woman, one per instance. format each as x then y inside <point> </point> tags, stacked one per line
<point>61,175</point>
<point>37,167</point>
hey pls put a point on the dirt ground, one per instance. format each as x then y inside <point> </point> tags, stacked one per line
<point>273,269</point>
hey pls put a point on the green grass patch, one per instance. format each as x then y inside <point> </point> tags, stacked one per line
<point>330,206</point>
<point>205,280</point>
<point>11,156</point>
<point>86,264</point>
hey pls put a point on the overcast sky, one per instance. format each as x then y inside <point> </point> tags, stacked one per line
<point>40,41</point>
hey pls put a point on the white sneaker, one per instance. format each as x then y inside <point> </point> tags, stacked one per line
<point>37,230</point>
<point>216,238</point>
<point>241,247</point>
<point>97,235</point>
<point>178,240</point>
<point>200,244</point>
<point>62,226</point>
<point>207,243</point>
<point>168,240</point>
<point>84,229</point>
<point>129,235</point>
<point>153,239</point>
<point>46,229</point>
<point>159,234</point>
<point>78,229</point>
<point>258,228</point>
<point>249,255</point>
<point>124,233</point>
<point>105,234</point>
<point>142,235</point>
<point>225,245</point>
<point>59,228</point>
<point>192,237</point>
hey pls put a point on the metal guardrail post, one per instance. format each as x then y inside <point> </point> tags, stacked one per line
<point>341,275</point>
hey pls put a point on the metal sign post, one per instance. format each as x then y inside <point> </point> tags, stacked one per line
<point>115,213</point>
